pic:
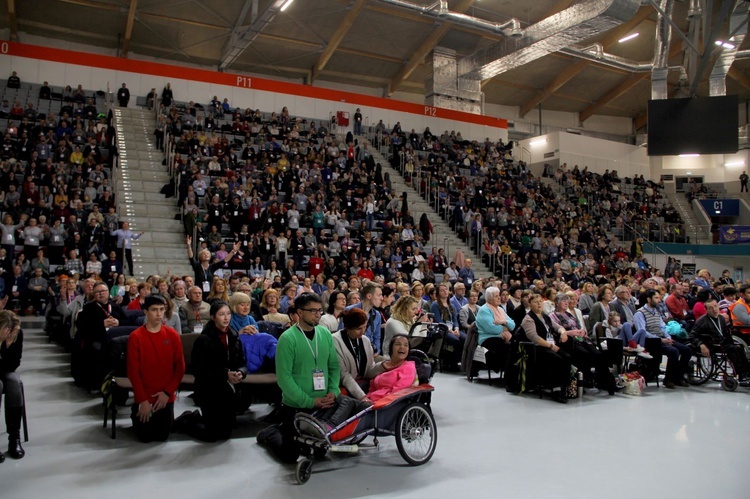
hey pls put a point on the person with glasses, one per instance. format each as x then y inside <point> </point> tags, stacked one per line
<point>97,316</point>
<point>307,369</point>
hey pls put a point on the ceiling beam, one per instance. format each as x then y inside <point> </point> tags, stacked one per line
<point>96,5</point>
<point>560,6</point>
<point>425,48</point>
<point>337,38</point>
<point>739,76</point>
<point>571,72</point>
<point>677,47</point>
<point>129,27</point>
<point>189,22</point>
<point>12,21</point>
<point>614,93</point>
<point>557,82</point>
<point>640,121</point>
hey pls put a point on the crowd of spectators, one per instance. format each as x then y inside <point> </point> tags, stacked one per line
<point>57,201</point>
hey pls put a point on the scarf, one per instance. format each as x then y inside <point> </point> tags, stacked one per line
<point>498,313</point>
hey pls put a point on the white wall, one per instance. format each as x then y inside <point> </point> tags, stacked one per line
<point>713,167</point>
<point>598,154</point>
<point>597,123</point>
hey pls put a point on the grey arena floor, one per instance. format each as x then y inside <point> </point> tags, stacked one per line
<point>686,443</point>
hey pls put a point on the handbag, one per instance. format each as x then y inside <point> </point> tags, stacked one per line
<point>571,391</point>
<point>634,383</point>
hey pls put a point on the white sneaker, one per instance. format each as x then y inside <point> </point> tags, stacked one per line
<point>644,354</point>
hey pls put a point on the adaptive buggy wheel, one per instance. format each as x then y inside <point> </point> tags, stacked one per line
<point>416,434</point>
<point>729,383</point>
<point>303,471</point>
<point>700,370</point>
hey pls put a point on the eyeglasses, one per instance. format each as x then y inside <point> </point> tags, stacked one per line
<point>316,311</point>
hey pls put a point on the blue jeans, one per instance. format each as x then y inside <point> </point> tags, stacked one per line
<point>639,336</point>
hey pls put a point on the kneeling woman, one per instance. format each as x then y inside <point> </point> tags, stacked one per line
<point>399,372</point>
<point>219,365</point>
<point>11,346</point>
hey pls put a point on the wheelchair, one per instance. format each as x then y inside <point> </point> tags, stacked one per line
<point>405,414</point>
<point>715,367</point>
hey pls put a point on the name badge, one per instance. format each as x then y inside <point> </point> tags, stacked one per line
<point>198,328</point>
<point>319,380</point>
<point>268,247</point>
<point>255,216</point>
<point>206,287</point>
<point>270,221</point>
<point>235,213</point>
<point>15,289</point>
<point>216,213</point>
<point>244,243</point>
<point>56,238</point>
<point>9,238</point>
<point>114,268</point>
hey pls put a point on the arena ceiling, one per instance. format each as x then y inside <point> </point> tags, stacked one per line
<point>372,43</point>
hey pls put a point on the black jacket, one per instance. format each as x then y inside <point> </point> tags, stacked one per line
<point>10,356</point>
<point>211,361</point>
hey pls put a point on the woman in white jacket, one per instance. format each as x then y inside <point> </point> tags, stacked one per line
<point>355,353</point>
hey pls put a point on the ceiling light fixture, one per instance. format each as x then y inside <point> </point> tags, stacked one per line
<point>285,5</point>
<point>629,37</point>
<point>735,163</point>
<point>691,155</point>
<point>726,45</point>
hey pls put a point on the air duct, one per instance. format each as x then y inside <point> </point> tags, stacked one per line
<point>573,25</point>
<point>662,39</point>
<point>717,82</point>
<point>595,53</point>
<point>439,10</point>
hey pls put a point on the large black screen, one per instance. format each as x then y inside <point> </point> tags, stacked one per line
<point>701,125</point>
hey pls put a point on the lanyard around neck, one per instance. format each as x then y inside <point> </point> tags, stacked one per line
<point>309,344</point>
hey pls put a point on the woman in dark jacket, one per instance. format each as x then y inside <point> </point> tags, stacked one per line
<point>11,347</point>
<point>219,365</point>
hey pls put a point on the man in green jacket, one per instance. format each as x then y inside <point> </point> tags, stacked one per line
<point>307,369</point>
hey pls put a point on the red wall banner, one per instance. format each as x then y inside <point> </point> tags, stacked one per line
<point>237,80</point>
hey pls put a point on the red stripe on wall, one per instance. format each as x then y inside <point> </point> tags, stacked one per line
<point>237,80</point>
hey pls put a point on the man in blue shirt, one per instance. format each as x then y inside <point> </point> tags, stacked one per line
<point>458,299</point>
<point>466,274</point>
<point>372,297</point>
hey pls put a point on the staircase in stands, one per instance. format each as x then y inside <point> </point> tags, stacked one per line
<point>443,236</point>
<point>139,180</point>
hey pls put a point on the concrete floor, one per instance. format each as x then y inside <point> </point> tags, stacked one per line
<point>687,443</point>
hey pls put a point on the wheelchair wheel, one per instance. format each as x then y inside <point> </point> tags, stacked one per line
<point>303,471</point>
<point>700,370</point>
<point>416,434</point>
<point>741,342</point>
<point>729,383</point>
